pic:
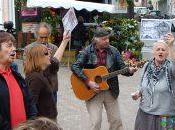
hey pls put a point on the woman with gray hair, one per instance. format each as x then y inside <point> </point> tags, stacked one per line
<point>156,89</point>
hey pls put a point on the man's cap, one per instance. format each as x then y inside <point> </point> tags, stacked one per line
<point>101,32</point>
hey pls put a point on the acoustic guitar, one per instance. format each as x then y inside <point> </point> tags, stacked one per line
<point>100,75</point>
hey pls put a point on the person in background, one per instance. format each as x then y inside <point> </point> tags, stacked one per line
<point>150,5</point>
<point>156,89</point>
<point>79,35</point>
<point>39,124</point>
<point>38,67</point>
<point>42,35</point>
<point>15,102</point>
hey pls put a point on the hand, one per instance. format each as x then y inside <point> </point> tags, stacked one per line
<point>132,69</point>
<point>49,50</point>
<point>169,38</point>
<point>93,86</point>
<point>66,36</point>
<point>136,95</point>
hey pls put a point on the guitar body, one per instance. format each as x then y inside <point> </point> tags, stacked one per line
<point>81,91</point>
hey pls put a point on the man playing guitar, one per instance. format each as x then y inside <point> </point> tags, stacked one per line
<point>101,53</point>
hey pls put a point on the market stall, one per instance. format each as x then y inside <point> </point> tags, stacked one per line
<point>78,5</point>
<point>131,43</point>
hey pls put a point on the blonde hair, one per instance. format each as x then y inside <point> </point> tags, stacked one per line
<point>41,123</point>
<point>34,60</point>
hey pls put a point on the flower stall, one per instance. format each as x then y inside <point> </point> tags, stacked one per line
<point>125,37</point>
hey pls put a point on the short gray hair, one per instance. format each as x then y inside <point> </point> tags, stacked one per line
<point>158,43</point>
<point>43,25</point>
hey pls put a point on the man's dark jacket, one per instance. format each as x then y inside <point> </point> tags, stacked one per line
<point>87,59</point>
<point>31,110</point>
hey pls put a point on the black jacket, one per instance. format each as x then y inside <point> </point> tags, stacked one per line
<point>41,90</point>
<point>88,59</point>
<point>31,110</point>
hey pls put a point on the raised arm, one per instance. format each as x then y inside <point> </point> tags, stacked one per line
<point>170,41</point>
<point>59,53</point>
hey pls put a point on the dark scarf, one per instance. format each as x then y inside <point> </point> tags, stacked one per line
<point>154,74</point>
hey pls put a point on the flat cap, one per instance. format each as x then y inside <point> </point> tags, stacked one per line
<point>101,32</point>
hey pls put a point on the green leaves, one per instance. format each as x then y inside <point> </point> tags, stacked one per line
<point>50,16</point>
<point>126,35</point>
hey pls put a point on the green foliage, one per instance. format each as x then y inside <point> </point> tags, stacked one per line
<point>19,4</point>
<point>130,2</point>
<point>125,35</point>
<point>149,2</point>
<point>52,18</point>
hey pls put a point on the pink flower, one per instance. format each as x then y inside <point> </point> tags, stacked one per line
<point>127,55</point>
<point>134,59</point>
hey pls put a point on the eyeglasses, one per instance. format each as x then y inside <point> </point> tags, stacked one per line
<point>8,44</point>
<point>46,53</point>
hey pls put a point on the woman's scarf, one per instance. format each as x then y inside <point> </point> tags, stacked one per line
<point>153,75</point>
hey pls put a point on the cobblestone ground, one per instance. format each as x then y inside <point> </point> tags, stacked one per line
<point>72,114</point>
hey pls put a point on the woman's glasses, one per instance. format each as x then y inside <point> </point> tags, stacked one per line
<point>46,53</point>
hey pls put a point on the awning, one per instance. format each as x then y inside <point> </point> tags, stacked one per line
<point>78,5</point>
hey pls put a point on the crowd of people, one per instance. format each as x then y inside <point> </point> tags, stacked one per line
<point>30,103</point>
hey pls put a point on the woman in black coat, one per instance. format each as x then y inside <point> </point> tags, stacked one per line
<point>15,107</point>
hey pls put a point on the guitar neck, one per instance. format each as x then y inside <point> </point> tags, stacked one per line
<point>115,73</point>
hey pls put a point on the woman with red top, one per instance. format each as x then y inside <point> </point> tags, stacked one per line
<point>15,107</point>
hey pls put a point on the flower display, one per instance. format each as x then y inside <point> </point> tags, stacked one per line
<point>125,37</point>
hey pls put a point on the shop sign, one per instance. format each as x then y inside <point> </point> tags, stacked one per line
<point>29,12</point>
<point>29,27</point>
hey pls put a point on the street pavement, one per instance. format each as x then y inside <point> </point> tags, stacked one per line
<point>72,113</point>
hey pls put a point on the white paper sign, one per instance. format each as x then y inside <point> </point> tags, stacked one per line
<point>70,21</point>
<point>154,29</point>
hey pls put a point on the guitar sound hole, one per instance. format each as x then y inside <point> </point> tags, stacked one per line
<point>98,79</point>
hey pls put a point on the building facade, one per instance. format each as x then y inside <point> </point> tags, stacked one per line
<point>7,11</point>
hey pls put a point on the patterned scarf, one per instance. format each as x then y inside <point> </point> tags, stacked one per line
<point>153,75</point>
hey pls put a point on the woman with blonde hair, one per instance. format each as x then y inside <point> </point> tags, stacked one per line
<point>38,67</point>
